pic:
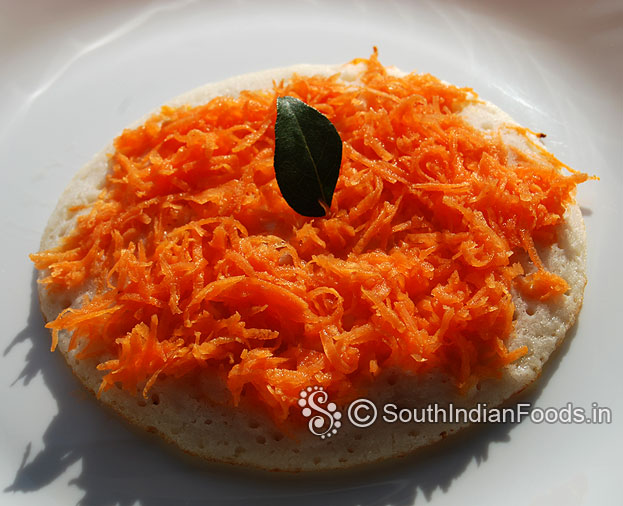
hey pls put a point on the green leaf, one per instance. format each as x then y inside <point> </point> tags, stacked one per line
<point>308,155</point>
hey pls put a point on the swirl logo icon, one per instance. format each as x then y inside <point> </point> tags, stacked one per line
<point>325,421</point>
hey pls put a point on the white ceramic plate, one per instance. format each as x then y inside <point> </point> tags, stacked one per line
<point>74,73</point>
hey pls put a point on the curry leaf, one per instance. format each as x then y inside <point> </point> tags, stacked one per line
<point>308,155</point>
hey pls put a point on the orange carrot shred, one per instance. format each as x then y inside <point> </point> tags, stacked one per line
<point>197,265</point>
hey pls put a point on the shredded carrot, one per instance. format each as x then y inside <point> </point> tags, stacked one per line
<point>198,265</point>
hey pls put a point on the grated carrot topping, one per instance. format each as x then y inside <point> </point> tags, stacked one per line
<point>197,265</point>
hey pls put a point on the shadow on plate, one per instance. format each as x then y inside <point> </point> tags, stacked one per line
<point>121,467</point>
